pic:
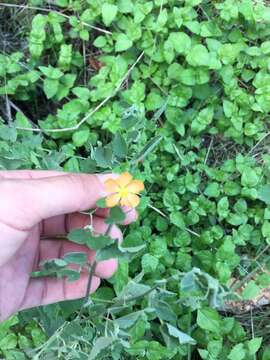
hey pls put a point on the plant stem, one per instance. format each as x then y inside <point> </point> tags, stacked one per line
<point>89,283</point>
<point>91,275</point>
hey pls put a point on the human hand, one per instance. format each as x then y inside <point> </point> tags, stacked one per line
<point>46,203</point>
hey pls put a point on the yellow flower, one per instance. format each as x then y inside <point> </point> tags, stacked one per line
<point>124,191</point>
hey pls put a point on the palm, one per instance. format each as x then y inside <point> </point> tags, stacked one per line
<point>15,275</point>
<point>16,282</point>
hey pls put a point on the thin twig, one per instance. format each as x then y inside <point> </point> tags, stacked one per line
<point>261,253</point>
<point>166,216</point>
<point>84,63</point>
<point>208,151</point>
<point>15,107</point>
<point>252,324</point>
<point>8,111</point>
<point>56,12</point>
<point>192,232</point>
<point>258,143</point>
<point>89,283</point>
<point>76,127</point>
<point>157,210</point>
<point>239,284</point>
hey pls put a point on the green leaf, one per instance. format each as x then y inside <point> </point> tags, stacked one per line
<point>21,121</point>
<point>228,53</point>
<point>50,87</point>
<point>129,320</point>
<point>249,178</point>
<point>180,41</point>
<point>251,291</point>
<point>193,26</point>
<point>188,77</point>
<point>202,120</point>
<point>198,56</point>
<point>203,354</point>
<point>254,345</point>
<point>68,80</point>
<point>100,41</point>
<point>117,251</point>
<point>109,252</point>
<point>178,219</point>
<point>51,72</point>
<point>65,57</point>
<point>229,108</point>
<point>122,43</point>
<point>70,274</point>
<point>264,194</point>
<point>87,166</point>
<point>109,13</point>
<point>98,242</point>
<point>208,319</point>
<point>149,263</point>
<point>266,354</point>
<point>236,219</point>
<point>174,71</point>
<point>101,203</point>
<point>101,344</point>
<point>54,263</point>
<point>8,133</point>
<point>81,136</point>
<point>266,230</point>
<point>212,190</point>
<point>125,6</point>
<point>156,351</point>
<point>56,267</point>
<point>223,207</point>
<point>8,342</point>
<point>7,324</point>
<point>116,216</point>
<point>84,35</point>
<point>193,2</point>
<point>154,101</point>
<point>76,258</point>
<point>238,352</point>
<point>120,277</point>
<point>132,249</point>
<point>81,92</point>
<point>265,46</point>
<point>181,336</point>
<point>79,236</point>
<point>103,156</point>
<point>119,146</point>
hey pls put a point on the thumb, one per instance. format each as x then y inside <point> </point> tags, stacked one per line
<point>30,201</point>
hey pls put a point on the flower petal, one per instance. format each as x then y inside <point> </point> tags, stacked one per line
<point>135,187</point>
<point>124,179</point>
<point>112,200</point>
<point>111,186</point>
<point>131,200</point>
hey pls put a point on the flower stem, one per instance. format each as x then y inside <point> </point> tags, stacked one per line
<point>91,275</point>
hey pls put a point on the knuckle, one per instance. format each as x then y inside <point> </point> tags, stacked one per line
<point>84,185</point>
<point>116,233</point>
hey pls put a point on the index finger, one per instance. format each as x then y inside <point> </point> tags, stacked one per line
<point>29,174</point>
<point>37,199</point>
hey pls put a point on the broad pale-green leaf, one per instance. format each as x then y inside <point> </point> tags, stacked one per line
<point>109,13</point>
